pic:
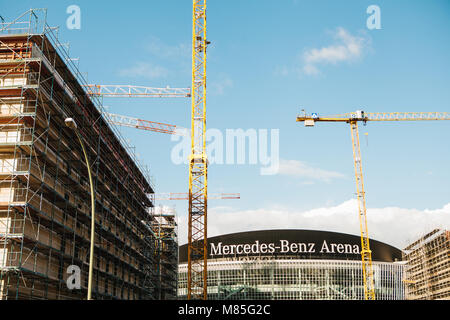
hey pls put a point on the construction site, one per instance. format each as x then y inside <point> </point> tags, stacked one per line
<point>427,274</point>
<point>80,216</point>
<point>45,208</point>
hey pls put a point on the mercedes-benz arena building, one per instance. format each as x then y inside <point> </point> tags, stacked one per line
<point>295,264</point>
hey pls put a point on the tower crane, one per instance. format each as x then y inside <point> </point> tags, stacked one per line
<point>353,118</point>
<point>198,163</point>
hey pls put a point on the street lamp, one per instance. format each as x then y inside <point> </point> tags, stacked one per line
<point>73,125</point>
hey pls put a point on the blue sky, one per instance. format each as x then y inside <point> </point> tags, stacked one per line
<point>259,77</point>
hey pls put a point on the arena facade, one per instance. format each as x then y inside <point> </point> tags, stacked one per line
<point>294,265</point>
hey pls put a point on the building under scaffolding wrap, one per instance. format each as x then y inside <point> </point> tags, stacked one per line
<point>44,187</point>
<point>428,267</point>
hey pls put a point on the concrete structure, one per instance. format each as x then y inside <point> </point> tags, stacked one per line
<point>295,265</point>
<point>427,272</point>
<point>44,187</point>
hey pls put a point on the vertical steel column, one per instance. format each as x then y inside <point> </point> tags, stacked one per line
<point>366,254</point>
<point>197,228</point>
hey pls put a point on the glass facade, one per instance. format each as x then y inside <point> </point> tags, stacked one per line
<point>295,279</point>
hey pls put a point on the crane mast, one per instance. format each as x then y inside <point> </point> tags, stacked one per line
<point>197,226</point>
<point>366,253</point>
<point>353,118</point>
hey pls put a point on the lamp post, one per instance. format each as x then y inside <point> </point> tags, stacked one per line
<point>73,125</point>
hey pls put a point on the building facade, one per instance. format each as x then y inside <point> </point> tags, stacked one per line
<point>45,207</point>
<point>295,265</point>
<point>427,271</point>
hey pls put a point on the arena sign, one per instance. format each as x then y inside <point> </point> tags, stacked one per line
<point>296,244</point>
<point>283,247</point>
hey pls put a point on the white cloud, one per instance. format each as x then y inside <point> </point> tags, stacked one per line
<point>346,49</point>
<point>300,169</point>
<point>144,70</point>
<point>392,225</point>
<point>310,69</point>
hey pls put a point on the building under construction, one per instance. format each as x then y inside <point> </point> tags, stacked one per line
<point>428,267</point>
<point>165,229</point>
<point>44,187</point>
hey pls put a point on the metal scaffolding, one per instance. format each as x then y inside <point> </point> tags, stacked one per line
<point>427,273</point>
<point>165,229</point>
<point>44,192</point>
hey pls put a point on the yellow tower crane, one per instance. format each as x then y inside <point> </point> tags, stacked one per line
<point>198,163</point>
<point>353,118</point>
